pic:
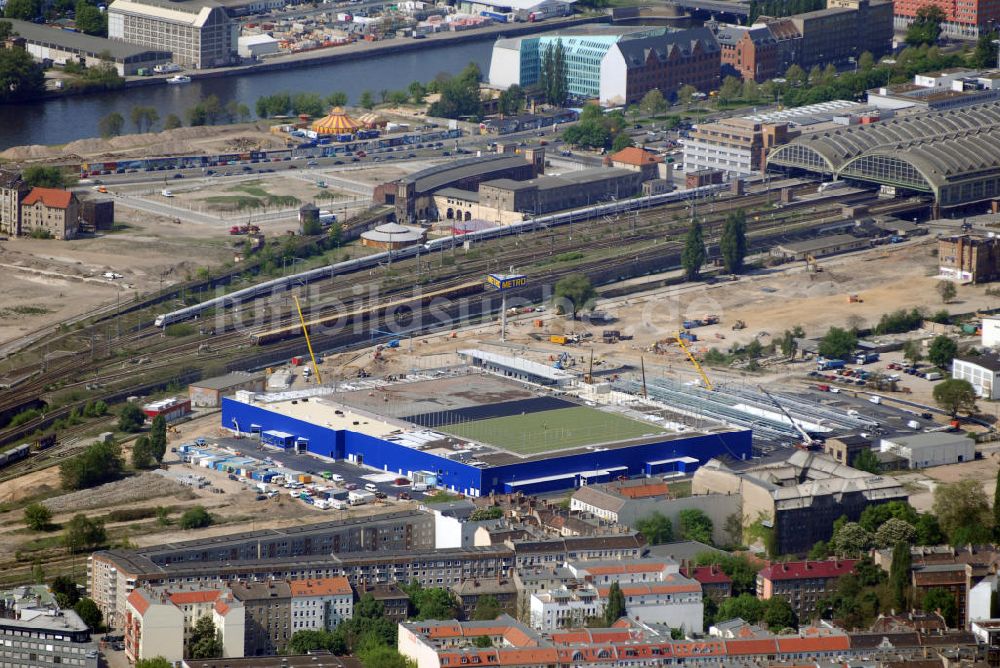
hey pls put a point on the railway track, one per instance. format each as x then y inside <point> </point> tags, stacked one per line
<point>660,227</point>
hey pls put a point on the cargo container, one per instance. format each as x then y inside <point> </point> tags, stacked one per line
<point>825,364</point>
<point>304,478</point>
<point>558,338</point>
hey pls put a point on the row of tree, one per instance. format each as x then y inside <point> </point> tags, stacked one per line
<point>732,246</point>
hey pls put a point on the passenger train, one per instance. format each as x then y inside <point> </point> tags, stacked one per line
<point>443,243</point>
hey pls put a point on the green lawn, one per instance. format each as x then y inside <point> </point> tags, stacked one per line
<point>553,430</point>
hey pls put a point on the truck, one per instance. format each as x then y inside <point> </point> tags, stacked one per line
<point>327,218</point>
<point>866,358</point>
<point>825,364</point>
<point>558,338</point>
<point>933,375</point>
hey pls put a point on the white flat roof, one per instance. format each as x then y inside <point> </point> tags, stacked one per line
<point>322,412</point>
<point>519,364</point>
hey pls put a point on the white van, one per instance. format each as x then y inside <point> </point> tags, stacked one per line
<point>371,488</point>
<point>336,477</point>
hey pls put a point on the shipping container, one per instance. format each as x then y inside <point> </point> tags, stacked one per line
<point>558,338</point>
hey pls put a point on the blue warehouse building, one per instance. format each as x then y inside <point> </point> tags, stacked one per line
<point>420,446</point>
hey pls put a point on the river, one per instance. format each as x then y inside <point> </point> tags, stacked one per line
<point>62,120</point>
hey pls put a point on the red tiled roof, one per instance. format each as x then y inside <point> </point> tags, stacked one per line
<point>189,597</point>
<point>793,644</point>
<point>221,607</point>
<point>644,491</point>
<point>707,575</point>
<point>625,567</point>
<point>138,601</point>
<point>636,156</point>
<point>748,647</point>
<point>50,197</point>
<point>805,570</point>
<point>321,587</point>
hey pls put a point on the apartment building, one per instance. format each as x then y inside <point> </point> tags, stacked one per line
<point>565,607</point>
<point>198,33</point>
<point>968,258</point>
<point>749,52</point>
<point>321,604</point>
<point>964,19</point>
<point>12,190</point>
<point>52,211</point>
<point>551,552</point>
<point>268,610</point>
<point>159,621</point>
<point>715,584</point>
<point>802,583</point>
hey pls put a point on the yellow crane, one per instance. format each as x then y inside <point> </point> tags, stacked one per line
<point>697,366</point>
<point>305,330</point>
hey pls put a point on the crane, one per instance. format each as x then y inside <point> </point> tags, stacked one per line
<point>697,366</point>
<point>807,440</point>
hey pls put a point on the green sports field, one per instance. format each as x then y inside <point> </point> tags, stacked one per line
<point>547,431</point>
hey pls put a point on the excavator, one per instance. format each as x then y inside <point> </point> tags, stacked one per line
<point>812,265</point>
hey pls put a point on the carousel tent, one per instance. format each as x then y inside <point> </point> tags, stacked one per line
<point>336,123</point>
<point>372,120</point>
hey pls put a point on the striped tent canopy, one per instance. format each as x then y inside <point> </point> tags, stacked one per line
<point>372,120</point>
<point>337,122</point>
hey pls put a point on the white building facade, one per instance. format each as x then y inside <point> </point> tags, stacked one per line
<point>321,604</point>
<point>933,449</point>
<point>565,608</point>
<point>199,34</point>
<point>982,372</point>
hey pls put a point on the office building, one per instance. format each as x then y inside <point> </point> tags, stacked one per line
<point>197,33</point>
<point>734,145</point>
<point>614,65</point>
<point>12,190</point>
<point>36,633</point>
<point>749,52</point>
<point>964,19</point>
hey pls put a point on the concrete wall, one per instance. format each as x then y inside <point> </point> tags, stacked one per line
<point>718,507</point>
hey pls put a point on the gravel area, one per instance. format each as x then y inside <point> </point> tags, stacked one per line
<point>119,493</point>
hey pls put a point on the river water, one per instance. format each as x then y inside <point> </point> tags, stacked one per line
<point>62,120</point>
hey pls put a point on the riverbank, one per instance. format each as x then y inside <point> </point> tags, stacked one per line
<point>361,49</point>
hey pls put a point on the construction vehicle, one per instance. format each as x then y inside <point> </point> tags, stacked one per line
<point>243,229</point>
<point>808,442</point>
<point>812,265</point>
<point>854,299</point>
<point>697,366</point>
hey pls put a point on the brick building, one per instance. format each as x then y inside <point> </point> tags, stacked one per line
<point>686,57</point>
<point>964,19</point>
<point>802,583</point>
<point>967,258</point>
<point>715,584</point>
<point>749,52</point>
<point>50,210</point>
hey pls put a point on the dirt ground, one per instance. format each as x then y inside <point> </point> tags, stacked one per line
<point>922,483</point>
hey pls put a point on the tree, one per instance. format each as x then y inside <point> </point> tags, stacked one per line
<point>947,291</point>
<point>142,454</point>
<point>511,100</point>
<point>694,524</point>
<point>384,657</point>
<point>82,533</point>
<point>338,98</point>
<point>874,516</point>
<point>487,608</point>
<point>963,511</point>
<point>367,99</point>
<point>576,292</point>
<point>195,518</point>
<point>730,90</point>
<point>158,438</point>
<point>866,61</point>
<point>837,343</point>
<point>686,93</point>
<point>912,352</point>
<point>778,614</point>
<point>733,244</point>
<point>926,27</point>
<point>155,662</point>
<point>205,642</point>
<point>25,10</point>
<point>985,53</point>
<point>795,75</point>
<point>111,125</point>
<point>929,531</point>
<point>65,591</point>
<point>131,418</point>
<point>21,78</point>
<point>737,567</point>
<point>418,92</point>
<point>652,103</point>
<point>614,609</point>
<point>621,142</point>
<point>460,96</point>
<point>144,118</point>
<point>819,551</point>
<point>560,83</point>
<point>942,351</point>
<point>37,517</point>
<point>482,642</point>
<point>899,574</point>
<point>943,602</point>
<point>39,176</point>
<point>91,20</point>
<point>655,528</point>
<point>693,255</point>
<point>173,122</point>
<point>894,531</point>
<point>746,606</point>
<point>867,460</point>
<point>98,464</point>
<point>954,395</point>
<point>89,613</point>
<point>850,540</point>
